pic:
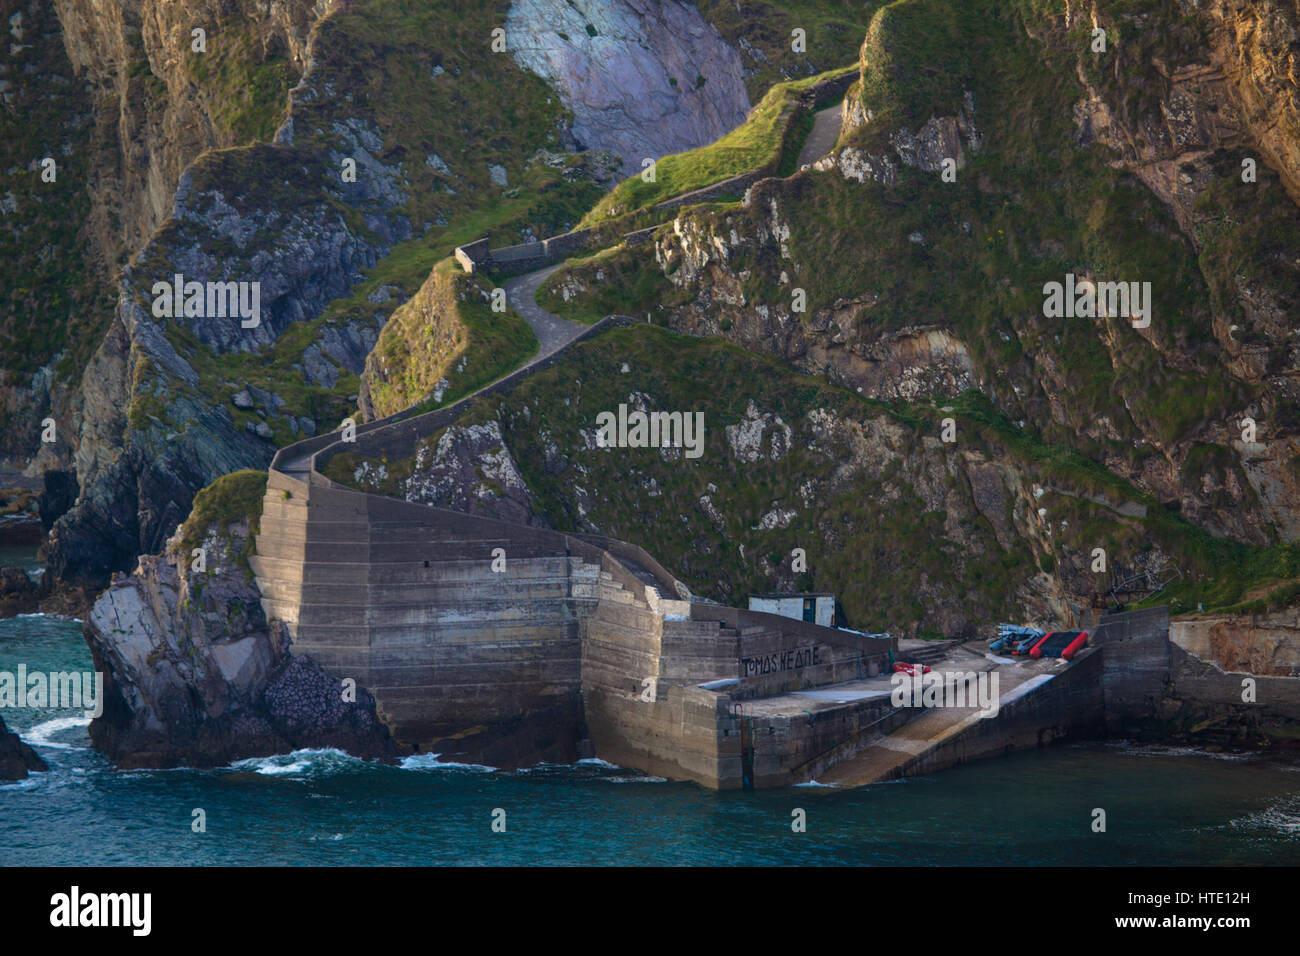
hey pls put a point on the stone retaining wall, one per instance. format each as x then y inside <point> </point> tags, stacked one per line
<point>1136,661</point>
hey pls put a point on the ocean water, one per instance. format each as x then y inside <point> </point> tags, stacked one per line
<point>1163,806</point>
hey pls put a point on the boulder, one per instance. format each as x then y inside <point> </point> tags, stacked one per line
<point>17,759</point>
<point>18,593</point>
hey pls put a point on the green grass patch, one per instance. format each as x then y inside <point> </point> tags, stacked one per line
<point>757,143</point>
<point>236,497</point>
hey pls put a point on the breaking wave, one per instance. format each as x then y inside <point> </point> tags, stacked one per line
<point>1282,817</point>
<point>431,762</point>
<point>300,762</point>
<point>41,734</point>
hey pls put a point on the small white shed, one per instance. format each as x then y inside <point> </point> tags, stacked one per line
<point>813,608</point>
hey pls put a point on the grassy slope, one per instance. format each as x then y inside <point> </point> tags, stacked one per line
<point>878,555</point>
<point>474,345</point>
<point>758,143</point>
<point>1027,209</point>
<point>232,498</point>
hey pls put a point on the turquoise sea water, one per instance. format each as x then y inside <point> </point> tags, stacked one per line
<point>1163,806</point>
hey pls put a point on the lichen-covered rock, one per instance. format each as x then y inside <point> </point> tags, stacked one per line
<point>643,79</point>
<point>465,468</point>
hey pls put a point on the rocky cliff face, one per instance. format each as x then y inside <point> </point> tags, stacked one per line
<point>785,463</point>
<point>1254,44</point>
<point>130,95</point>
<point>356,169</point>
<point>160,416</point>
<point>877,271</point>
<point>157,97</point>
<point>196,676</point>
<point>642,79</point>
<point>466,468</point>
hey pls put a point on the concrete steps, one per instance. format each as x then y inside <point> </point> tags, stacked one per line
<point>927,652</point>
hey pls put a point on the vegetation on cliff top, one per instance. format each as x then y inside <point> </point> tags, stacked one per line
<point>895,562</point>
<point>446,334</point>
<point>1031,204</point>
<point>231,499</point>
<point>759,143</point>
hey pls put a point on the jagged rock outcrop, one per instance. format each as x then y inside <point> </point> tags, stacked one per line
<point>139,56</point>
<point>196,676</point>
<point>466,468</point>
<point>941,139</point>
<point>17,759</point>
<point>643,79</point>
<point>18,593</point>
<point>888,308</point>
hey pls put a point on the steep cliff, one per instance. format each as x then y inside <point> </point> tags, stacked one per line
<point>898,275</point>
<point>127,102</point>
<point>641,78</point>
<point>171,403</point>
<point>332,155</point>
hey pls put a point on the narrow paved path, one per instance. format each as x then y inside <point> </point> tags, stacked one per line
<point>552,331</point>
<point>825,131</point>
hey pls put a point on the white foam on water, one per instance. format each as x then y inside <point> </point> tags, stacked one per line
<point>294,767</point>
<point>1282,817</point>
<point>814,783</point>
<point>645,779</point>
<point>431,762</point>
<point>298,761</point>
<point>39,736</point>
<point>597,762</point>
<point>1170,750</point>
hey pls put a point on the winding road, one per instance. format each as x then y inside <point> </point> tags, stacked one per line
<point>825,131</point>
<point>552,331</point>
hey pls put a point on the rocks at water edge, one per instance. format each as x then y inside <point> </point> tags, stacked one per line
<point>18,593</point>
<point>195,675</point>
<point>17,759</point>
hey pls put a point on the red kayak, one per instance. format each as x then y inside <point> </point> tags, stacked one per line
<point>909,669</point>
<point>1061,644</point>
